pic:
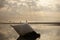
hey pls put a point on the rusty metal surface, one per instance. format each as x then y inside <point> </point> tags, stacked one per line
<point>31,10</point>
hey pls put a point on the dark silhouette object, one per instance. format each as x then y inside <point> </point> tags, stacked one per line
<point>26,32</point>
<point>29,36</point>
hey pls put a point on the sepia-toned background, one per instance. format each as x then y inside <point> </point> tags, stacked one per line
<point>43,16</point>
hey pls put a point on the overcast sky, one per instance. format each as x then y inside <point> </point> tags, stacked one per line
<point>35,5</point>
<point>46,9</point>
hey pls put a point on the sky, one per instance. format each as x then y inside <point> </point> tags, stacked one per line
<point>35,10</point>
<point>35,5</point>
